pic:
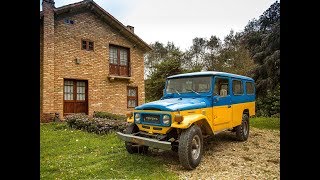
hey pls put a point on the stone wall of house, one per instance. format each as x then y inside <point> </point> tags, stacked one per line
<point>41,65</point>
<point>103,94</point>
<point>47,61</point>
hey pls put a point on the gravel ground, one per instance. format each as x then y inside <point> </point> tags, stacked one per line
<point>226,158</point>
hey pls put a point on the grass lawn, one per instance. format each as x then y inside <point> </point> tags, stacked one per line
<point>73,154</point>
<point>265,123</point>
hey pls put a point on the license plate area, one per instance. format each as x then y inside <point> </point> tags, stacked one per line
<point>151,118</point>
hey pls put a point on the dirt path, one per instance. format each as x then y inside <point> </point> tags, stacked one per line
<point>226,158</point>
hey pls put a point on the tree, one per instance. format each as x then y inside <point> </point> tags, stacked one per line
<point>194,57</point>
<point>234,57</point>
<point>214,46</point>
<point>165,63</point>
<point>262,39</point>
<point>159,54</point>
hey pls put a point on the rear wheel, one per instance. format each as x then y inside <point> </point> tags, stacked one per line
<point>132,147</point>
<point>242,131</point>
<point>190,147</point>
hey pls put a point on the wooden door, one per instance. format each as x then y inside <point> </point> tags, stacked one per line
<point>75,96</point>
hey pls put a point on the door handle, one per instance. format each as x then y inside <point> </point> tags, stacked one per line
<point>229,106</point>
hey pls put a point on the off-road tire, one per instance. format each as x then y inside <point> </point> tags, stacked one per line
<point>132,147</point>
<point>242,131</point>
<point>186,139</point>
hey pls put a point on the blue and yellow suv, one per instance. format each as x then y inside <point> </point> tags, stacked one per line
<point>193,105</point>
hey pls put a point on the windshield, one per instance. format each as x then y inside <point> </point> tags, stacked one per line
<point>190,84</point>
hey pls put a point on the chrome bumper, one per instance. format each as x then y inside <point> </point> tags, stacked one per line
<point>145,141</point>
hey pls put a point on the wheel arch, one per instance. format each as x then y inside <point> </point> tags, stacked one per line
<point>204,126</point>
<point>246,111</point>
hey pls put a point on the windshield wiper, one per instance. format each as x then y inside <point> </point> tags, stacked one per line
<point>193,91</point>
<point>176,91</point>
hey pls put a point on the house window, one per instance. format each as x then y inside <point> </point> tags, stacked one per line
<point>87,45</point>
<point>237,87</point>
<point>118,61</point>
<point>68,21</point>
<point>132,97</point>
<point>249,88</point>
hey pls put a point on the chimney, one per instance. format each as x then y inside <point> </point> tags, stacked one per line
<point>131,28</point>
<point>47,65</point>
<point>48,3</point>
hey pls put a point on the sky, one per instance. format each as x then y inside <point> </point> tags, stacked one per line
<point>179,21</point>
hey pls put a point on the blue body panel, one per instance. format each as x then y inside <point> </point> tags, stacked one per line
<point>210,73</point>
<point>236,99</point>
<point>191,100</point>
<point>174,104</point>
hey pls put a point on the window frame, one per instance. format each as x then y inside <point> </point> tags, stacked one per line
<point>132,97</point>
<point>87,44</point>
<point>119,48</point>
<point>68,21</point>
<point>242,87</point>
<point>118,58</point>
<point>116,53</point>
<point>74,90</point>
<point>228,89</point>
<point>249,82</point>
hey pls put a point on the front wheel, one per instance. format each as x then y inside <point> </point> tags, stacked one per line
<point>242,131</point>
<point>190,147</point>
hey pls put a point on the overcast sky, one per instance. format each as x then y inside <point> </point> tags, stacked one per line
<point>180,21</point>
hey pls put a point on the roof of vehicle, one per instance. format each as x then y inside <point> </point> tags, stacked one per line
<point>210,73</point>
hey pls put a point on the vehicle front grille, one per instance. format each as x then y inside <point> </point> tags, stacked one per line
<point>151,118</point>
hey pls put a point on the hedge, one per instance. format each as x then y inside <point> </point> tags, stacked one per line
<point>95,124</point>
<point>110,116</point>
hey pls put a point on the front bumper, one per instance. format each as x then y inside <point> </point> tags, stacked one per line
<point>145,141</point>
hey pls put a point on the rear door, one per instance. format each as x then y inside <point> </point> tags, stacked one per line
<point>238,98</point>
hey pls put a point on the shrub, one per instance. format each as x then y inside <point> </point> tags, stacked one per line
<point>269,106</point>
<point>95,125</point>
<point>109,116</point>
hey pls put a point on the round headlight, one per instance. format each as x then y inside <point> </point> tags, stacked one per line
<point>166,119</point>
<point>137,118</point>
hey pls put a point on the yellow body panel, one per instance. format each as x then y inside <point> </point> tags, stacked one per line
<point>130,120</point>
<point>222,117</point>
<point>163,130</point>
<point>237,111</point>
<point>218,117</point>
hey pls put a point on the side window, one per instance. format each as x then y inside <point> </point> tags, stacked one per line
<point>237,87</point>
<point>249,88</point>
<point>221,87</point>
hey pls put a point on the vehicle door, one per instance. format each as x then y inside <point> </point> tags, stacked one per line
<point>222,111</point>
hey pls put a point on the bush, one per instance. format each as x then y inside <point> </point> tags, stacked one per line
<point>269,106</point>
<point>95,125</point>
<point>109,116</point>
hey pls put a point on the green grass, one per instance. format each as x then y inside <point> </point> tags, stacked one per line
<point>73,154</point>
<point>265,123</point>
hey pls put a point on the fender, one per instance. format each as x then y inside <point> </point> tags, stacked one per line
<point>130,120</point>
<point>188,120</point>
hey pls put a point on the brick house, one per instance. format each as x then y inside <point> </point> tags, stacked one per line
<point>89,61</point>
